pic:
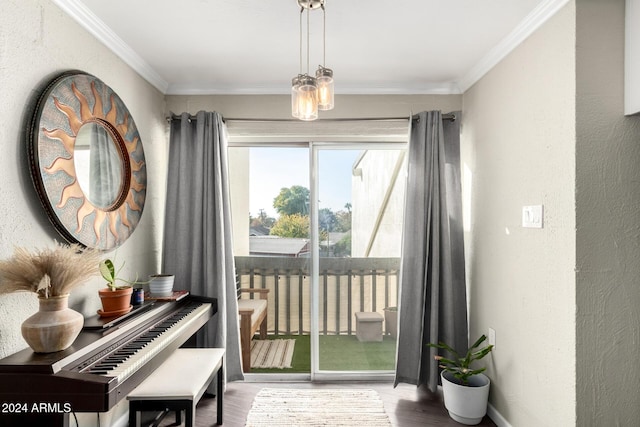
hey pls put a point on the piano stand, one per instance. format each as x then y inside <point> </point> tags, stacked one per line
<point>178,384</point>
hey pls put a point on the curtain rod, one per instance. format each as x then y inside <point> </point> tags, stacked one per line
<point>447,116</point>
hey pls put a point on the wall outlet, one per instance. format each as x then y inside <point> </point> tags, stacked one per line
<point>492,337</point>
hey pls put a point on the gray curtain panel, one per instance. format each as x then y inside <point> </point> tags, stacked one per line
<point>197,232</point>
<point>433,303</point>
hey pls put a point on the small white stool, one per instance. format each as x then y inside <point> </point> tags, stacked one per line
<point>368,326</point>
<point>178,384</point>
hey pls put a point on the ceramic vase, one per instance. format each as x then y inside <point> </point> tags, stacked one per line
<point>54,327</point>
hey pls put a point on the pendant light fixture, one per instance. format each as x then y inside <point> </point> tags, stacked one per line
<point>308,93</point>
<point>324,75</point>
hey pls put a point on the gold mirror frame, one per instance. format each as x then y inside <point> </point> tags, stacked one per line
<point>70,101</point>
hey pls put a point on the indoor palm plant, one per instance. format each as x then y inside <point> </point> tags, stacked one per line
<point>51,274</point>
<point>465,389</point>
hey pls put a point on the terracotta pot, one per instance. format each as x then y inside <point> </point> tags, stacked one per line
<point>115,301</point>
<point>54,327</point>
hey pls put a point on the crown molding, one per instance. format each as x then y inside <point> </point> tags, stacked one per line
<point>429,89</point>
<point>531,23</point>
<point>88,20</point>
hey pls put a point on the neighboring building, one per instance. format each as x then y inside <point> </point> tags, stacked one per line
<point>278,246</point>
<point>258,230</point>
<point>377,197</point>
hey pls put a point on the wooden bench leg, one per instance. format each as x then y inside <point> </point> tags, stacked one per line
<point>133,414</point>
<point>188,414</point>
<point>245,342</point>
<point>220,393</point>
<point>263,329</point>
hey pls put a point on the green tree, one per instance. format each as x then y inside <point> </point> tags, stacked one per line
<point>326,219</point>
<point>342,221</point>
<point>262,220</point>
<point>293,200</point>
<point>295,225</point>
<point>343,247</point>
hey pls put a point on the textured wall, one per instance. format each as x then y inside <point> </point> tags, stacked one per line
<point>518,136</point>
<point>37,41</point>
<point>607,223</point>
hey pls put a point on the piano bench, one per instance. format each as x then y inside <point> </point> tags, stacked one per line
<point>178,384</point>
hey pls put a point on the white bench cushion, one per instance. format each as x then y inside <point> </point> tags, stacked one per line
<point>181,376</point>
<point>258,306</point>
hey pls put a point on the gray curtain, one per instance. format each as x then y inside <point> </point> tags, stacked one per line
<point>433,303</point>
<point>197,232</point>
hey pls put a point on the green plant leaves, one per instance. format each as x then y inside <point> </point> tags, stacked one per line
<point>108,271</point>
<point>459,366</point>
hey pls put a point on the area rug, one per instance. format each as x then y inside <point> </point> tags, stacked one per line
<point>272,354</point>
<point>320,407</point>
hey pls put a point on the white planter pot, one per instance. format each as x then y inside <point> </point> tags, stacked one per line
<point>466,404</point>
<point>161,285</point>
<point>391,321</point>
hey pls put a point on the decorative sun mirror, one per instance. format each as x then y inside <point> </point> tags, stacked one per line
<point>87,161</point>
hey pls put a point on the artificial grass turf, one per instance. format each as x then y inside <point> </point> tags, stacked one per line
<point>339,353</point>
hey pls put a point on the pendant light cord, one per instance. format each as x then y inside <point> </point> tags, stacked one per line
<point>300,32</point>
<point>324,37</point>
<point>308,39</point>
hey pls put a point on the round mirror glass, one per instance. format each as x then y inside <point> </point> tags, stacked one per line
<point>98,165</point>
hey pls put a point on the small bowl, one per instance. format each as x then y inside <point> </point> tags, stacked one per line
<point>161,285</point>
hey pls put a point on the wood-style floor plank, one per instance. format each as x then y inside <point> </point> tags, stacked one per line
<point>406,405</point>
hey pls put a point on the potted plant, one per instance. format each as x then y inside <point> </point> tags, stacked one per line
<point>51,274</point>
<point>465,389</point>
<point>116,299</point>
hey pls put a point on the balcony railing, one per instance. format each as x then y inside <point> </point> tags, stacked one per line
<point>347,285</point>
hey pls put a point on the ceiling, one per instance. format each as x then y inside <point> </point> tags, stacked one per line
<point>253,46</point>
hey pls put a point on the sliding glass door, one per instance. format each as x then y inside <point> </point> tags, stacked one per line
<point>358,205</point>
<point>319,225</point>
<point>272,249</point>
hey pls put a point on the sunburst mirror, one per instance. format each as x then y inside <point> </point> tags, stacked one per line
<point>87,161</point>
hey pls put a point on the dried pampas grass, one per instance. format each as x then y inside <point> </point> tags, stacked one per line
<point>48,272</point>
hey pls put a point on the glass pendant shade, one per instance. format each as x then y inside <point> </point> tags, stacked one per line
<point>310,94</point>
<point>307,98</point>
<point>295,85</point>
<point>324,77</point>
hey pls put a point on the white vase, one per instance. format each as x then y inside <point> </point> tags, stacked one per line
<point>54,327</point>
<point>467,404</point>
<point>161,285</point>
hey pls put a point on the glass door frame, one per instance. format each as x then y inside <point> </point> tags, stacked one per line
<point>317,374</point>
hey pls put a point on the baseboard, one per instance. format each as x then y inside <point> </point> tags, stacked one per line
<point>497,417</point>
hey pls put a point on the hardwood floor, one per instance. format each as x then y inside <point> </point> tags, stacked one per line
<point>406,405</point>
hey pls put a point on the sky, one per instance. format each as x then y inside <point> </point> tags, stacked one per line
<point>275,168</point>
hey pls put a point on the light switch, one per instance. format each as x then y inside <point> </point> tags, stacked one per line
<point>532,216</point>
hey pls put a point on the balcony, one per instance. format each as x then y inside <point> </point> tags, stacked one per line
<point>347,286</point>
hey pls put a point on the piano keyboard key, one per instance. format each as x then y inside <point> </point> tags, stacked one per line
<point>123,362</point>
